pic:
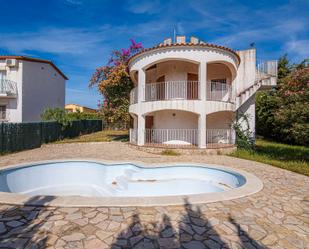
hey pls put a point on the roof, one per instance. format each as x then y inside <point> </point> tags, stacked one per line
<point>77,105</point>
<point>187,44</point>
<point>25,58</point>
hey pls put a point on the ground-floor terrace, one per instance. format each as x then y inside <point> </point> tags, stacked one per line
<point>275,217</point>
<point>182,129</point>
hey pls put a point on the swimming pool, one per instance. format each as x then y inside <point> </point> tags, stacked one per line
<point>120,180</point>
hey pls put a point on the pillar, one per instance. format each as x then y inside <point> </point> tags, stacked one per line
<point>141,85</point>
<point>141,130</point>
<point>202,130</point>
<point>202,80</point>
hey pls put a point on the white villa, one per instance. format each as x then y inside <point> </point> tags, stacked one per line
<point>188,93</point>
<point>27,87</point>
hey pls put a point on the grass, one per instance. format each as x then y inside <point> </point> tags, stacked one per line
<point>100,136</point>
<point>290,157</point>
<point>169,152</point>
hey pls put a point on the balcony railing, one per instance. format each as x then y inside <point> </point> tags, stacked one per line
<point>134,96</point>
<point>171,137</point>
<point>218,91</point>
<point>267,68</point>
<point>170,90</point>
<point>8,88</point>
<point>133,136</point>
<point>215,138</point>
<point>189,90</point>
<point>219,137</point>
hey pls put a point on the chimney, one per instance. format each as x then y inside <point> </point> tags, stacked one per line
<point>167,41</point>
<point>180,39</point>
<point>194,40</point>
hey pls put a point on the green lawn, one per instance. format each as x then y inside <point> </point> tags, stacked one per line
<point>290,157</point>
<point>101,136</point>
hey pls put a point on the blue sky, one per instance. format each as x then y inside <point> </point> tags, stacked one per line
<point>79,35</point>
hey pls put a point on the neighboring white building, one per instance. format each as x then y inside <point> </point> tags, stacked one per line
<point>189,93</point>
<point>27,87</point>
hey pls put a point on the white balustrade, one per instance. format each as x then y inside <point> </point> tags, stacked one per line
<point>172,137</point>
<point>133,136</point>
<point>218,91</point>
<point>170,90</point>
<point>219,137</point>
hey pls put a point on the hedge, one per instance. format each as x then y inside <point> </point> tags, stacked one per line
<point>23,136</point>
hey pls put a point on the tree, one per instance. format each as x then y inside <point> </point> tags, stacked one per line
<point>282,114</point>
<point>114,83</point>
<point>292,115</point>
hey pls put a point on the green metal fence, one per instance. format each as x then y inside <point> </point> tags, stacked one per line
<point>23,136</point>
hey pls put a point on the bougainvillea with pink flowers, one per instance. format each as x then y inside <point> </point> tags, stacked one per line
<point>114,83</point>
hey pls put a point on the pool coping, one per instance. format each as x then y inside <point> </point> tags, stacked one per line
<point>253,185</point>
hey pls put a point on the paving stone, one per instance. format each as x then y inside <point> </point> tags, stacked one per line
<point>95,244</point>
<point>14,223</point>
<point>2,228</point>
<point>212,244</point>
<point>73,237</point>
<point>194,245</point>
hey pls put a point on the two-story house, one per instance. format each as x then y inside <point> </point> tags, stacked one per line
<point>188,93</point>
<point>27,87</point>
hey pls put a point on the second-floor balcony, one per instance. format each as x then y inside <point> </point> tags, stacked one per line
<point>8,88</point>
<point>183,90</point>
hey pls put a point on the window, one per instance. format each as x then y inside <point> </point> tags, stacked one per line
<point>218,85</point>
<point>2,112</point>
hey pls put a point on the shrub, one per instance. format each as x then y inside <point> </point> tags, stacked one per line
<point>169,152</point>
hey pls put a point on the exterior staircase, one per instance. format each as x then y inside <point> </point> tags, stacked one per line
<point>266,78</point>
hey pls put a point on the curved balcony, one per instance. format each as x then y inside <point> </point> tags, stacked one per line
<point>8,88</point>
<point>183,90</point>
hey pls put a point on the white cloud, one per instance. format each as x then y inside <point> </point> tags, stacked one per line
<point>298,47</point>
<point>53,40</point>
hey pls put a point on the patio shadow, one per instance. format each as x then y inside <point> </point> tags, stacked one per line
<point>194,232</point>
<point>24,226</point>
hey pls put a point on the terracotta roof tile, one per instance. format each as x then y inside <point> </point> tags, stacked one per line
<point>188,44</point>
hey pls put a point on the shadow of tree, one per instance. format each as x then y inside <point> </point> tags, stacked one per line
<point>194,232</point>
<point>25,226</point>
<point>245,239</point>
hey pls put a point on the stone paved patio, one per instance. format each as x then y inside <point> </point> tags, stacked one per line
<point>276,217</point>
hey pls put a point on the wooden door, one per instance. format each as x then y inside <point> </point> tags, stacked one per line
<point>192,86</point>
<point>149,122</point>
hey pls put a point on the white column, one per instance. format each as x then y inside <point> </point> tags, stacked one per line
<point>141,130</point>
<point>202,79</point>
<point>141,85</point>
<point>202,130</point>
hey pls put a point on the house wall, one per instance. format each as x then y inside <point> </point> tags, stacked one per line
<point>248,109</point>
<point>246,70</point>
<point>13,105</point>
<point>219,120</point>
<point>43,87</point>
<point>181,120</point>
<point>172,70</point>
